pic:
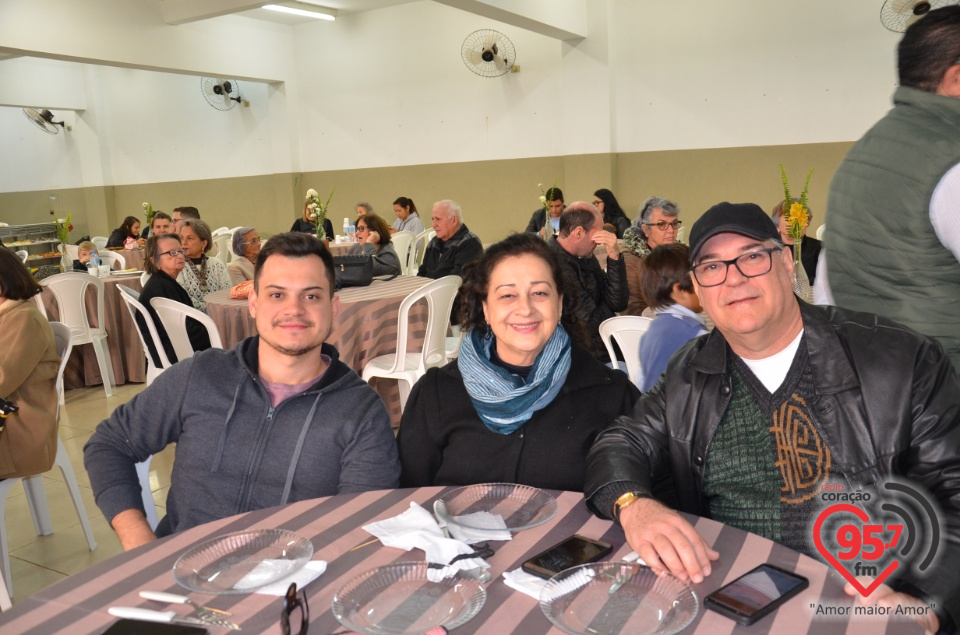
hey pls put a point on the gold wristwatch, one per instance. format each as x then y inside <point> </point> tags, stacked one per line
<point>623,502</point>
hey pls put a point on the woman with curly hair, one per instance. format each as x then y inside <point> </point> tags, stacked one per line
<point>525,398</point>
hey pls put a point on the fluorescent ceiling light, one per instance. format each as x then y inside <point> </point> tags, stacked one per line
<point>301,12</point>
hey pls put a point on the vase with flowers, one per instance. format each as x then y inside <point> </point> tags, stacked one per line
<point>64,227</point>
<point>798,217</point>
<point>316,211</point>
<point>148,211</point>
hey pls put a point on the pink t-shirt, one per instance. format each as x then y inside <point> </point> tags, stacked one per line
<point>278,392</point>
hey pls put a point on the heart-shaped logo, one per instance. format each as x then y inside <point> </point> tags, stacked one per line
<point>832,559</point>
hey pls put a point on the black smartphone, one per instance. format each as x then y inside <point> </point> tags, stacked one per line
<point>571,552</point>
<point>756,593</point>
<point>138,627</point>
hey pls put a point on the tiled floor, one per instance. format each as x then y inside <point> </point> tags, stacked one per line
<point>39,561</point>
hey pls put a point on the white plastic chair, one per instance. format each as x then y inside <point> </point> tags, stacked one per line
<point>681,233</point>
<point>112,258</point>
<point>132,301</point>
<point>70,253</point>
<point>224,247</point>
<point>70,292</point>
<point>401,242</point>
<point>100,242</point>
<point>408,368</point>
<point>173,315</point>
<point>23,255</point>
<point>33,486</point>
<point>5,604</point>
<point>820,231</point>
<point>418,249</point>
<point>219,231</point>
<point>143,278</point>
<point>628,330</point>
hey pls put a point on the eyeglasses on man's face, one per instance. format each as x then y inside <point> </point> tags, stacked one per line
<point>173,253</point>
<point>711,273</point>
<point>664,225</point>
<point>290,603</point>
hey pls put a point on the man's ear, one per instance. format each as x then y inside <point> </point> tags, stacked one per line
<point>950,84</point>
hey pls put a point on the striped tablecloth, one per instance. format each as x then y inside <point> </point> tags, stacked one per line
<point>78,605</point>
<point>365,327</point>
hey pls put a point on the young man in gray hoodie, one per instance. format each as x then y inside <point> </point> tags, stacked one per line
<point>278,419</point>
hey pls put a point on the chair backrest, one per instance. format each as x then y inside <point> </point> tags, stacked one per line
<point>23,255</point>
<point>439,295</point>
<point>132,301</point>
<point>70,292</point>
<point>100,242</point>
<point>143,278</point>
<point>220,231</point>
<point>223,243</point>
<point>173,315</point>
<point>64,339</point>
<point>112,258</point>
<point>681,233</point>
<point>418,249</point>
<point>70,253</point>
<point>628,330</point>
<point>820,231</point>
<point>401,242</point>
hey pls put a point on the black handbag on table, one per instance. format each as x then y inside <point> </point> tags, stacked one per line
<point>356,270</point>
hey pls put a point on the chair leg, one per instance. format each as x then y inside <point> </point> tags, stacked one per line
<point>63,462</point>
<point>5,604</point>
<point>36,495</point>
<point>106,366</point>
<point>149,507</point>
<point>5,486</point>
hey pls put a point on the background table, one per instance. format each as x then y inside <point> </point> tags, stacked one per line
<point>365,328</point>
<point>123,341</point>
<point>133,258</point>
<point>78,605</point>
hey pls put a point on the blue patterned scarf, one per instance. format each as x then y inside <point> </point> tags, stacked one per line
<point>505,401</point>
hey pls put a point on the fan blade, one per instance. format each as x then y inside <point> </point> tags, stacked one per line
<point>502,64</point>
<point>475,57</point>
<point>491,40</point>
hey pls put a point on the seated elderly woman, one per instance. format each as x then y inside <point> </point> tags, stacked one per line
<point>656,224</point>
<point>525,398</point>
<point>373,238</point>
<point>163,258</point>
<point>129,229</point>
<point>201,275</point>
<point>246,246</point>
<point>28,374</point>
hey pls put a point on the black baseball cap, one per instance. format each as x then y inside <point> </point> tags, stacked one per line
<point>747,219</point>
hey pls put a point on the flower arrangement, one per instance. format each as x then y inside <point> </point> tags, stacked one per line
<point>798,216</point>
<point>148,210</point>
<point>317,211</point>
<point>64,227</point>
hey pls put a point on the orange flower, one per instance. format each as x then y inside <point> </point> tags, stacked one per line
<point>798,216</point>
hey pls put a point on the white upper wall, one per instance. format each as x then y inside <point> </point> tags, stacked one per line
<point>388,87</point>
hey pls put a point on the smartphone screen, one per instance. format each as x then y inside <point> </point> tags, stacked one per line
<point>756,593</point>
<point>573,551</point>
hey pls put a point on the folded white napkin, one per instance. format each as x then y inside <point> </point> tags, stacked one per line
<point>493,528</point>
<point>520,580</point>
<point>310,572</point>
<point>416,528</point>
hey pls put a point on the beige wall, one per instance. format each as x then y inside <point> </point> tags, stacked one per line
<point>497,196</point>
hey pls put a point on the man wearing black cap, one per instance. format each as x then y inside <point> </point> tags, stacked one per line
<point>780,400</point>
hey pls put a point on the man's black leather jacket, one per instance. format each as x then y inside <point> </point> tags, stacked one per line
<point>887,401</point>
